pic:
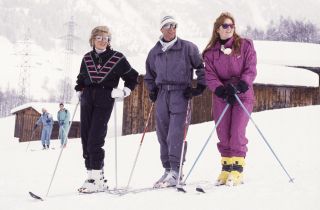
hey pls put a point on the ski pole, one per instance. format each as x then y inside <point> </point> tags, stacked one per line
<point>33,131</point>
<point>140,145</point>
<point>205,144</point>
<point>264,139</point>
<point>186,125</point>
<point>55,169</point>
<point>115,144</point>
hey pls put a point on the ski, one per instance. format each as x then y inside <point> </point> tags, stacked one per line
<point>35,196</point>
<point>35,150</point>
<point>145,189</point>
<point>200,189</point>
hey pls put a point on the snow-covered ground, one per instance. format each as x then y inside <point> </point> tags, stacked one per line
<point>293,134</point>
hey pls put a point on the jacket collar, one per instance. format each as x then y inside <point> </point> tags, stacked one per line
<point>176,46</point>
<point>228,44</point>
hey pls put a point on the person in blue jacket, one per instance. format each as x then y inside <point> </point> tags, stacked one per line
<point>47,123</point>
<point>63,117</point>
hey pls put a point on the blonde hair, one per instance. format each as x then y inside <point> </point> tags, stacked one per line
<point>96,31</point>
<point>215,36</point>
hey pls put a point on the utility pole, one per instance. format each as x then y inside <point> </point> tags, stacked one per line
<point>24,68</point>
<point>66,94</point>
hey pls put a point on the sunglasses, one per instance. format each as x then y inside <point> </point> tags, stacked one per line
<point>170,25</point>
<point>102,38</point>
<point>226,25</point>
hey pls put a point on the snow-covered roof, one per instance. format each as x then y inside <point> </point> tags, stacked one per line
<point>52,108</point>
<point>288,53</point>
<point>282,75</point>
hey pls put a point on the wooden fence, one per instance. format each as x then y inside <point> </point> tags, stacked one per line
<point>137,106</point>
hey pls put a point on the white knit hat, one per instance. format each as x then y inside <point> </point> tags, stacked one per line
<point>167,19</point>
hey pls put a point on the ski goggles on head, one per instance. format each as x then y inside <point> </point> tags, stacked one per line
<point>101,38</point>
<point>170,25</point>
<point>226,25</point>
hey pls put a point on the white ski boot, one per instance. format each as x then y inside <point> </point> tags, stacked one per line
<point>165,174</point>
<point>94,183</point>
<point>171,180</point>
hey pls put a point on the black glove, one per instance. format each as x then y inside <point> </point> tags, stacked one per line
<point>242,86</point>
<point>221,92</point>
<point>78,87</point>
<point>231,91</point>
<point>231,99</point>
<point>153,95</point>
<point>189,92</point>
<point>35,126</point>
<point>48,121</point>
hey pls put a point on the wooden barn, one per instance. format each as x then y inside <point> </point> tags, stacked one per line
<point>28,114</point>
<point>267,96</point>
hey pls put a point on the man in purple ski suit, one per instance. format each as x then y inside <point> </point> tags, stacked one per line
<point>230,63</point>
<point>169,72</point>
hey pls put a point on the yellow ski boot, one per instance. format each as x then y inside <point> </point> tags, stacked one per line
<point>236,176</point>
<point>226,169</point>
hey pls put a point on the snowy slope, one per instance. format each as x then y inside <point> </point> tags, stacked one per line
<point>295,139</point>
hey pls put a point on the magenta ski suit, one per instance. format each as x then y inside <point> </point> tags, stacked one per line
<point>222,69</point>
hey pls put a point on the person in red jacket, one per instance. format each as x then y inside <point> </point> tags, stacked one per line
<point>230,65</point>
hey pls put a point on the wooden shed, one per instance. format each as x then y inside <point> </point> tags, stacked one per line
<point>267,96</point>
<point>28,114</point>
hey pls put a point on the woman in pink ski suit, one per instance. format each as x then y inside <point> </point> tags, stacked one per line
<point>230,64</point>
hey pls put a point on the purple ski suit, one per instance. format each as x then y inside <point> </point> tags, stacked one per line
<point>222,69</point>
<point>171,72</point>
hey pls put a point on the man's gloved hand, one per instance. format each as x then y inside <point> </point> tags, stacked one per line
<point>153,95</point>
<point>61,123</point>
<point>242,86</point>
<point>35,126</point>
<point>190,92</point>
<point>221,92</point>
<point>48,121</point>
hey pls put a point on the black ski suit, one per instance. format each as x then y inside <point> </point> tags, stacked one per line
<point>99,74</point>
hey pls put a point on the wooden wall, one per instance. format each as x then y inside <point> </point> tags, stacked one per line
<point>137,106</point>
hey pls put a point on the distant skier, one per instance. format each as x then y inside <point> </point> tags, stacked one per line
<point>63,117</point>
<point>47,122</point>
<point>170,67</point>
<point>230,63</point>
<point>100,72</point>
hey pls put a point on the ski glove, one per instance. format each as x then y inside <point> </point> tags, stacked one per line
<point>78,87</point>
<point>153,95</point>
<point>231,91</point>
<point>189,92</point>
<point>48,121</point>
<point>35,126</point>
<point>221,92</point>
<point>117,93</point>
<point>242,86</point>
<point>231,99</point>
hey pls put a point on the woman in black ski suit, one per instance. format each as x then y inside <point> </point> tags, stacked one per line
<point>100,72</point>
